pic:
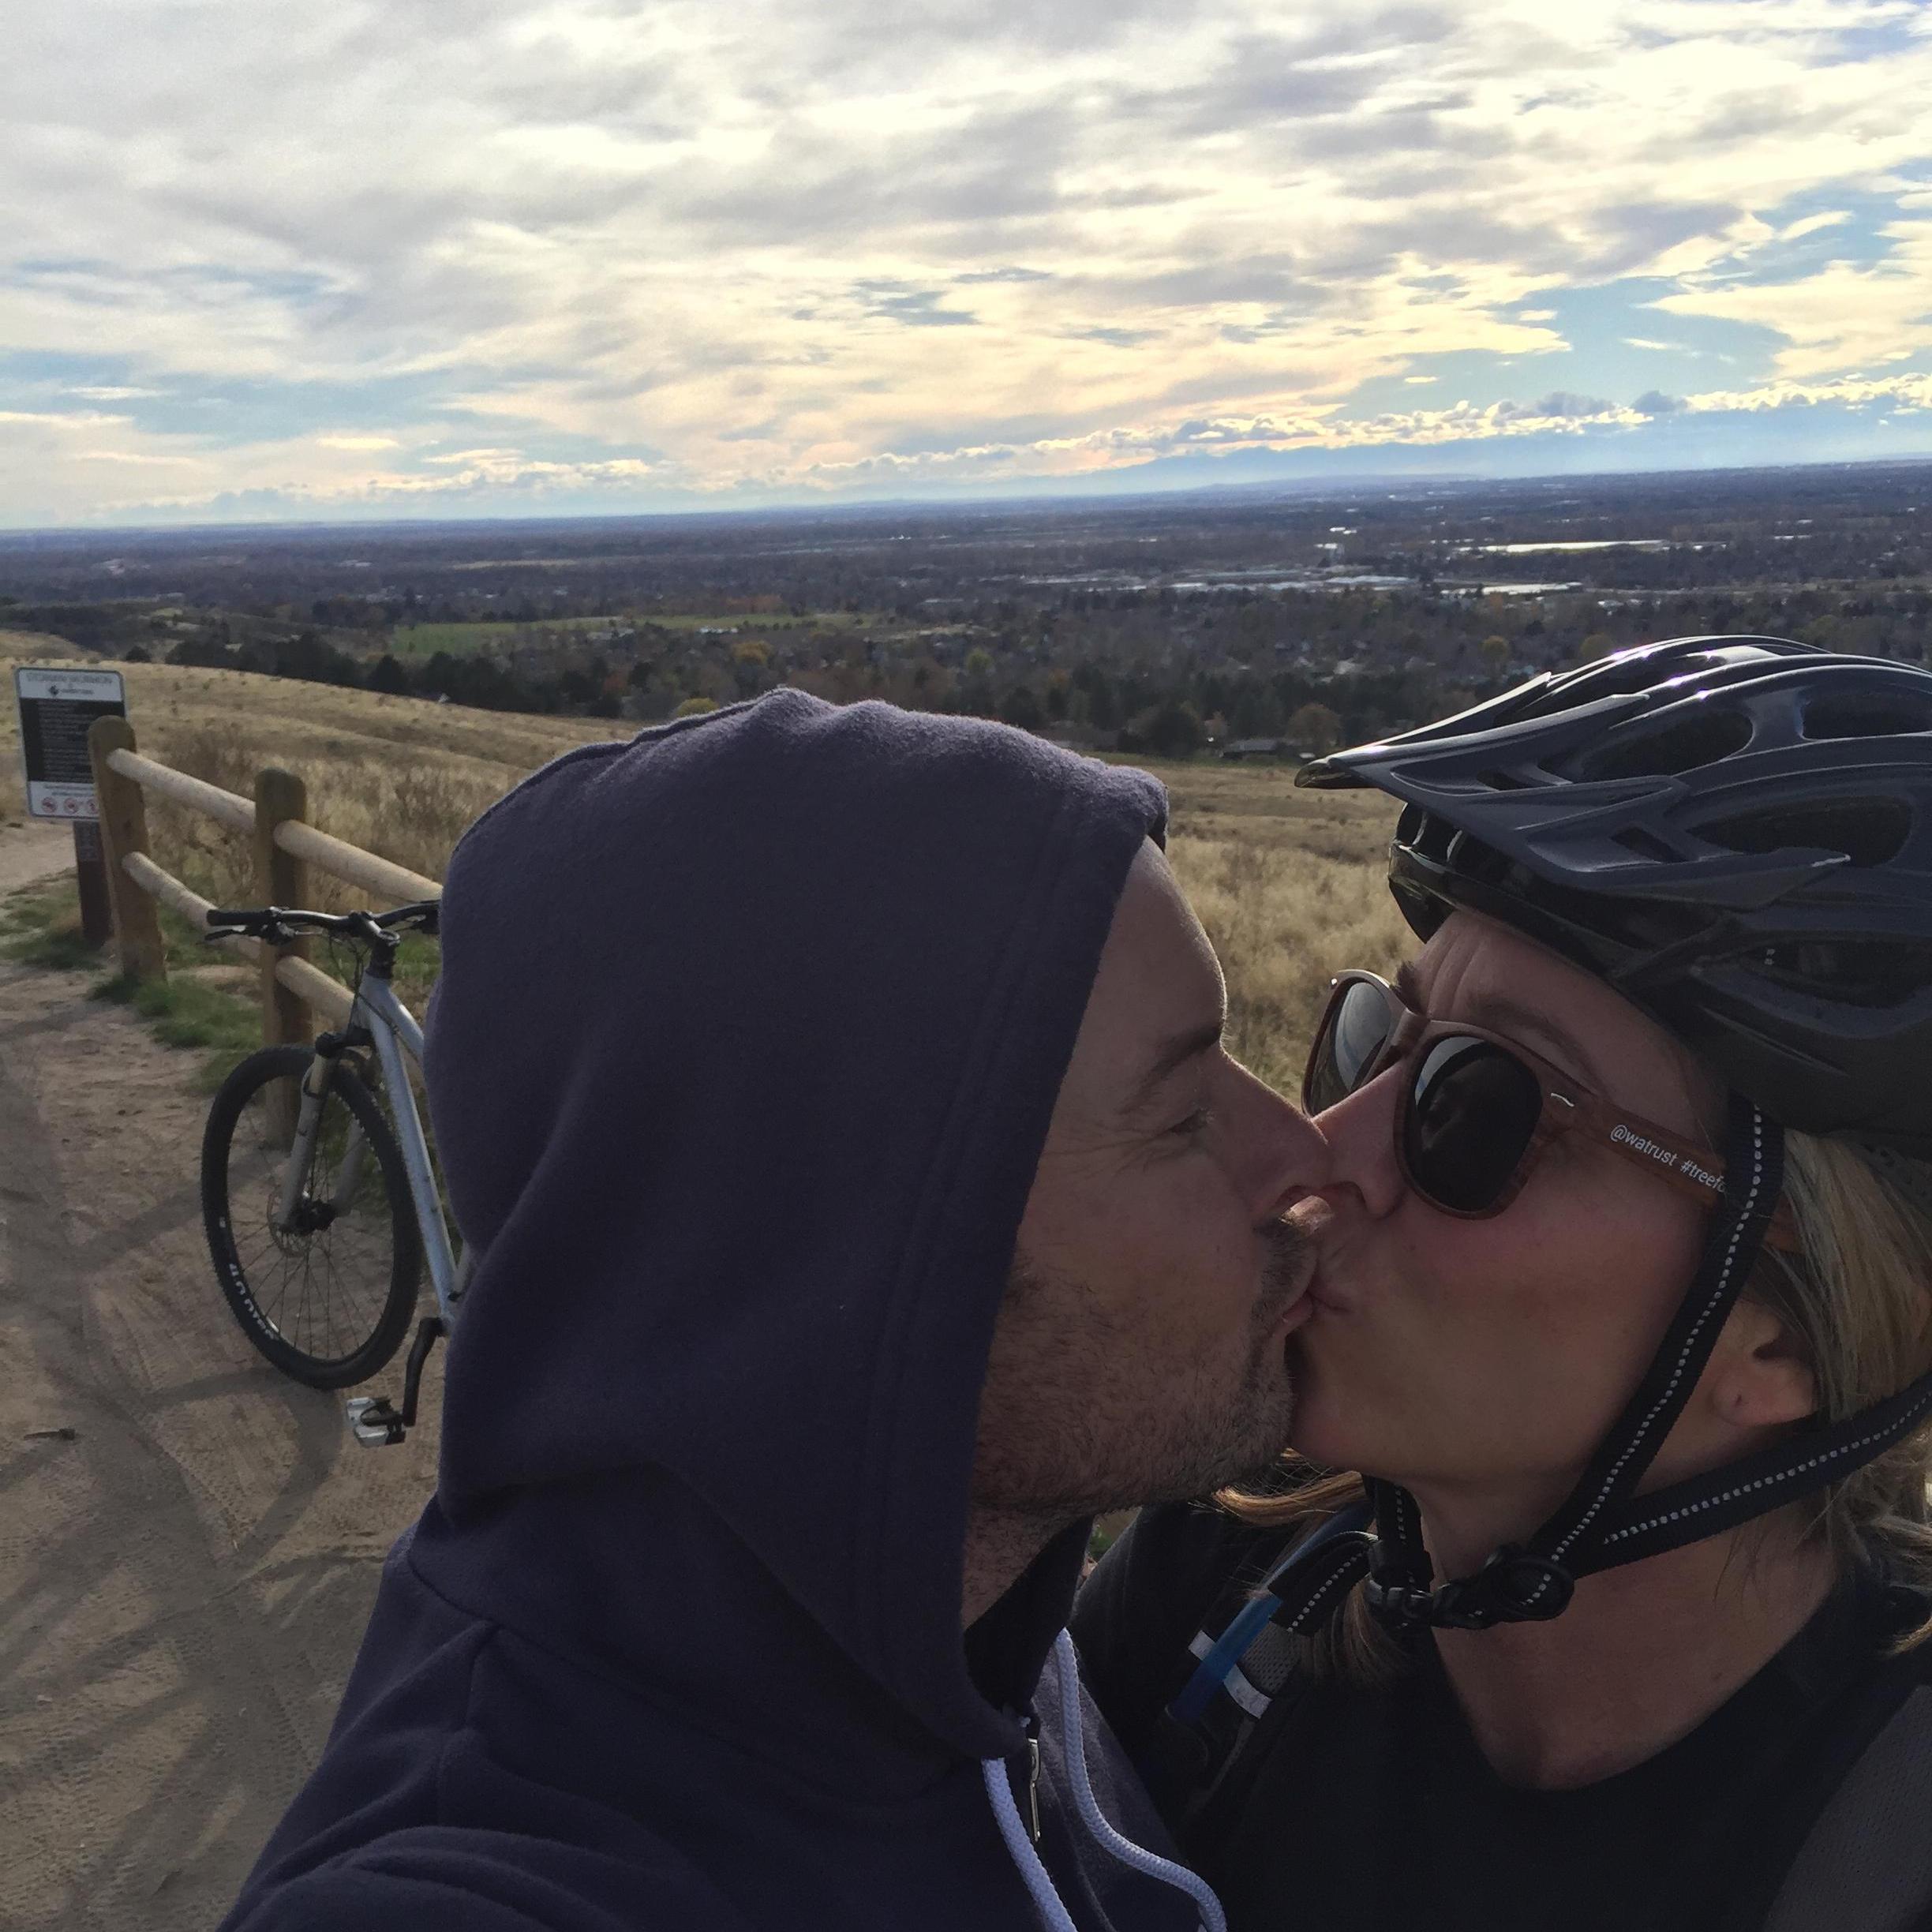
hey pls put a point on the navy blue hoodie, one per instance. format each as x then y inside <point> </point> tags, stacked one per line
<point>743,1052</point>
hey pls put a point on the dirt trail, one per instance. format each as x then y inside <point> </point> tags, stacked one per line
<point>189,1544</point>
<point>34,849</point>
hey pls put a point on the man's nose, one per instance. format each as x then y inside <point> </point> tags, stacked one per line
<point>1294,1158</point>
<point>1364,1175</point>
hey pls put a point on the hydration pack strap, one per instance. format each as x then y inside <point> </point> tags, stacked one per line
<point>1243,1669</point>
<point>1865,1858</point>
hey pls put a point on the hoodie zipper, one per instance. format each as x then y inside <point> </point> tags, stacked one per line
<point>1033,1775</point>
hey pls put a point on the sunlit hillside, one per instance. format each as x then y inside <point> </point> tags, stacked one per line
<point>1288,883</point>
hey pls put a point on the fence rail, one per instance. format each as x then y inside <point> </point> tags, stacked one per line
<point>227,808</point>
<point>286,846</point>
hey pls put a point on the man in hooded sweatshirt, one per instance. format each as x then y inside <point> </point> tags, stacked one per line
<point>836,1103</point>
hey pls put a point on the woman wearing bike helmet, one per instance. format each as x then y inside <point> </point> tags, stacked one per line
<point>1624,1313</point>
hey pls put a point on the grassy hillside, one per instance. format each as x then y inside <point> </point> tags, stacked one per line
<point>1288,883</point>
<point>1290,887</point>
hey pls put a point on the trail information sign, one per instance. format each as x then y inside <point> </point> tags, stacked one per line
<point>56,708</point>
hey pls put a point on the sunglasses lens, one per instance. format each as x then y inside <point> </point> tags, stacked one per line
<point>1473,1110</point>
<point>1358,1029</point>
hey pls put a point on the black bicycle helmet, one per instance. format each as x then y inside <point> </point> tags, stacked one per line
<point>1735,833</point>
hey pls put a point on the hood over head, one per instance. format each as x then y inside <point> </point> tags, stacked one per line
<point>745,1046</point>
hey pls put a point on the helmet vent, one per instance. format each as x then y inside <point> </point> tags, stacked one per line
<point>1429,835</point>
<point>1646,845</point>
<point>1869,831</point>
<point>1701,738</point>
<point>1868,716</point>
<point>1865,972</point>
<point>1474,860</point>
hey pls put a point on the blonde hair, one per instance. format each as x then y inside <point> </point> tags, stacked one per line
<point>1858,1301</point>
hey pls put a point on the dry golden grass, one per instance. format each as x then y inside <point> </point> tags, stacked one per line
<point>19,647</point>
<point>401,777</point>
<point>1288,883</point>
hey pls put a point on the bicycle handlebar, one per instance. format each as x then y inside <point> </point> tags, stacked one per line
<point>260,922</point>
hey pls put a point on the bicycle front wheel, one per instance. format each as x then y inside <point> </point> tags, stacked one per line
<point>326,1293</point>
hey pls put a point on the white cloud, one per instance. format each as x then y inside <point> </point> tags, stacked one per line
<point>1461,423</point>
<point>1900,393</point>
<point>731,244</point>
<point>146,458</point>
<point>1811,224</point>
<point>499,477</point>
<point>61,419</point>
<point>1844,314</point>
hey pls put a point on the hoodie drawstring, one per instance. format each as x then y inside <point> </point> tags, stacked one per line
<point>1137,1858</point>
<point>1053,1914</point>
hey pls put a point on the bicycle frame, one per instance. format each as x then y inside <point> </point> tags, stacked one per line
<point>393,1028</point>
<point>393,1032</point>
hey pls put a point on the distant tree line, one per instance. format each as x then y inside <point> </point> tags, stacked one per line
<point>1166,712</point>
<point>1162,674</point>
<point>471,678</point>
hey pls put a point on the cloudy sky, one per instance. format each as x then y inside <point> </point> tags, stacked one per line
<point>262,258</point>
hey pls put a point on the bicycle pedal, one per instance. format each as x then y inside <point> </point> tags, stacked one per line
<point>373,1421</point>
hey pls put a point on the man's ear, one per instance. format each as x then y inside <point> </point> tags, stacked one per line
<point>1759,1377</point>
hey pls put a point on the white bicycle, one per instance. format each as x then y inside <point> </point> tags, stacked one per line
<point>318,1193</point>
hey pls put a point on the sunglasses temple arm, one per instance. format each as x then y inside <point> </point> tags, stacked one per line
<point>1695,1172</point>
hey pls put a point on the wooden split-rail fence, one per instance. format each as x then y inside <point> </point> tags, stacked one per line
<point>286,846</point>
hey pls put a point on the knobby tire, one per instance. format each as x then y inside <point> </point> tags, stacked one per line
<point>258,1269</point>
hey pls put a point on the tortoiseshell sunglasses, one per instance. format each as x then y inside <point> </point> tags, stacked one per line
<point>1477,1110</point>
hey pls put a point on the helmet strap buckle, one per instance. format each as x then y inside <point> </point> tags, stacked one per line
<point>1516,1585</point>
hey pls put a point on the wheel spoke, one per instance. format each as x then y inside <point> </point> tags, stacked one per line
<point>324,1292</point>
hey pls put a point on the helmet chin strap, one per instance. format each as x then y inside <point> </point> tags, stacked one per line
<point>1601,1523</point>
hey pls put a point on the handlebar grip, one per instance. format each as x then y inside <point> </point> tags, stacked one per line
<point>422,914</point>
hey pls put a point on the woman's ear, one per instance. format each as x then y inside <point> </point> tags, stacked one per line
<point>1759,1377</point>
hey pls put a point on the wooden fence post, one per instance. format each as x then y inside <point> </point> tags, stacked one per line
<point>281,879</point>
<point>123,829</point>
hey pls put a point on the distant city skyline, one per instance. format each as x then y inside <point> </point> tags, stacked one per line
<point>263,262</point>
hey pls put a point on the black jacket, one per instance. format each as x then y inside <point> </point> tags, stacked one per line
<point>1369,1808</point>
<point>745,1046</point>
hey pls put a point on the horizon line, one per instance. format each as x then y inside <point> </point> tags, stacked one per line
<point>1393,482</point>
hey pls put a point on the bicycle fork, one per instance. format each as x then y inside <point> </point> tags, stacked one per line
<point>288,1217</point>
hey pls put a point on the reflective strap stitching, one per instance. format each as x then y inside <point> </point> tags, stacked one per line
<point>1343,1573</point>
<point>1683,1354</point>
<point>1893,1430</point>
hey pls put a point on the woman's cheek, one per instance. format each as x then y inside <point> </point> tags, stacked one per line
<point>1478,1348</point>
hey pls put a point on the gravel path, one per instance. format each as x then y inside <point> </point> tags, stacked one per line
<point>189,1544</point>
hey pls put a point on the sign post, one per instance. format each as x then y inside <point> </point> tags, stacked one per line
<point>56,709</point>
